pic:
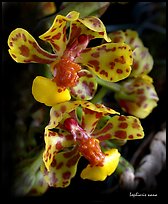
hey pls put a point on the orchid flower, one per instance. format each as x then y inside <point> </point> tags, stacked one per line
<point>72,64</point>
<point>74,131</point>
<point>141,96</point>
<point>142,59</point>
<point>137,95</point>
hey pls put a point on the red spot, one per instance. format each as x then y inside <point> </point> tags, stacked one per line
<point>57,36</point>
<point>104,137</point>
<point>48,36</point>
<point>94,62</point>
<point>51,134</point>
<point>59,165</point>
<point>58,145</point>
<point>53,29</point>
<point>135,64</point>
<point>57,114</point>
<point>101,33</point>
<point>119,71</point>
<point>24,51</point>
<point>135,125</point>
<point>123,125</point>
<point>112,65</point>
<point>95,54</point>
<point>122,47</point>
<point>69,137</point>
<point>130,136</point>
<point>82,38</point>
<point>139,135</point>
<point>24,37</point>
<point>120,60</point>
<point>106,128</point>
<point>66,175</point>
<point>63,108</point>
<point>53,163</point>
<point>120,134</point>
<point>122,118</point>
<point>98,115</point>
<point>113,49</point>
<point>64,30</point>
<point>14,55</point>
<point>103,72</point>
<point>64,37</point>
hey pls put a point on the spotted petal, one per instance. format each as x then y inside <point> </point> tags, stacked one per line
<point>100,173</point>
<point>63,168</point>
<point>144,93</point>
<point>86,86</point>
<point>100,108</point>
<point>130,37</point>
<point>56,35</point>
<point>57,112</point>
<point>133,39</point>
<point>90,26</point>
<point>111,62</point>
<point>142,61</point>
<point>55,141</point>
<point>91,113</point>
<point>25,49</point>
<point>120,127</point>
<point>117,36</point>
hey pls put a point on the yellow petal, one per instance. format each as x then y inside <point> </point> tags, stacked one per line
<point>45,91</point>
<point>110,61</point>
<point>56,35</point>
<point>100,108</point>
<point>98,173</point>
<point>25,49</point>
<point>132,39</point>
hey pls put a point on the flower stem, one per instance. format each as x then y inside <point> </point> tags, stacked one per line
<point>99,96</point>
<point>110,85</point>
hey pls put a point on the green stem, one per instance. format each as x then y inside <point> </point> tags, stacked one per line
<point>115,87</point>
<point>110,85</point>
<point>99,96</point>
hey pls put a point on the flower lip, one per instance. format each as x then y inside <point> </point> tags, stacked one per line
<point>66,73</point>
<point>88,146</point>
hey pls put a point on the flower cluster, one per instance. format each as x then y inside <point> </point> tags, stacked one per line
<point>110,61</point>
<point>74,130</point>
<point>78,128</point>
<point>137,95</point>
